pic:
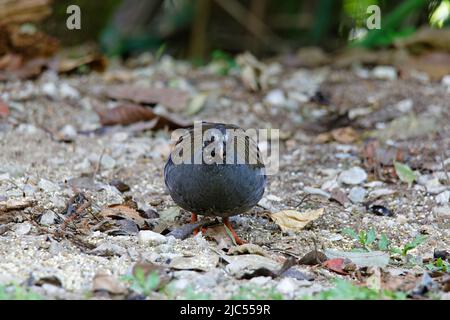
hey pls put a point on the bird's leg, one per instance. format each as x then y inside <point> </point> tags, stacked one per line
<point>193,220</point>
<point>227,223</point>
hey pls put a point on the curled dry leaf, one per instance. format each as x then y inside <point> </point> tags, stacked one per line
<point>123,212</point>
<point>292,220</point>
<point>171,98</point>
<point>336,265</point>
<point>129,113</point>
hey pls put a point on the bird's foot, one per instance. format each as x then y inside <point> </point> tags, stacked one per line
<point>236,238</point>
<point>194,218</point>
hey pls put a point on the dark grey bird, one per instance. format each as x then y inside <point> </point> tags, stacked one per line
<point>222,175</point>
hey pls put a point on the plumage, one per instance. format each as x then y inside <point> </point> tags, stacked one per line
<point>218,189</point>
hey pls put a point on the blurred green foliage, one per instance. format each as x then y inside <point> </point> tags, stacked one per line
<point>325,23</point>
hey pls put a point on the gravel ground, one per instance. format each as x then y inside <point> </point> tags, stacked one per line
<point>48,144</point>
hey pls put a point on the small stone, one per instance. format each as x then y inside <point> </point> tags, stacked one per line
<point>384,73</point>
<point>353,176</point>
<point>443,197</point>
<point>108,162</point>
<point>287,286</point>
<point>260,281</point>
<point>404,106</point>
<point>48,218</point>
<point>380,193</point>
<point>272,197</point>
<point>357,194</point>
<point>150,237</point>
<point>67,91</point>
<point>442,211</point>
<point>4,176</point>
<point>276,98</point>
<point>50,90</point>
<point>22,229</point>
<point>48,186</point>
<point>317,192</point>
<point>109,249</point>
<point>67,133</point>
<point>29,190</point>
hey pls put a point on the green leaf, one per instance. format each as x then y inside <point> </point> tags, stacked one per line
<point>383,243</point>
<point>371,236</point>
<point>350,232</point>
<point>405,173</point>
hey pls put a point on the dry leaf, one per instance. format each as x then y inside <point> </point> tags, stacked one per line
<point>105,282</point>
<point>292,220</point>
<point>131,113</point>
<point>123,212</point>
<point>336,265</point>
<point>171,98</point>
<point>345,135</point>
<point>4,110</point>
<point>248,248</point>
<point>340,196</point>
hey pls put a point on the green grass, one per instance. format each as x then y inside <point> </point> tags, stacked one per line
<point>249,292</point>
<point>345,290</point>
<point>17,292</point>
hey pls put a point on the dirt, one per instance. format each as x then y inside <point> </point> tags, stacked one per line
<point>32,152</point>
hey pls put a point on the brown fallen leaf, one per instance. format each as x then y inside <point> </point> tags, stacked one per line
<point>345,135</point>
<point>71,59</point>
<point>129,113</point>
<point>123,212</point>
<point>313,258</point>
<point>336,265</point>
<point>104,282</point>
<point>4,109</point>
<point>172,98</point>
<point>339,196</point>
<point>292,220</point>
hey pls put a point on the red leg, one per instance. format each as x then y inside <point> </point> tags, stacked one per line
<point>238,240</point>
<point>194,218</point>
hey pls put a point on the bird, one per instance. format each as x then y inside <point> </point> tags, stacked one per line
<point>221,176</point>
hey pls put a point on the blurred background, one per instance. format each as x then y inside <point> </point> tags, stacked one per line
<point>201,30</point>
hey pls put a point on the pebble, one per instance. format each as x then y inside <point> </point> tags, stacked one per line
<point>48,186</point>
<point>276,98</point>
<point>109,249</point>
<point>384,73</point>
<point>22,229</point>
<point>67,133</point>
<point>404,106</point>
<point>317,192</point>
<point>48,218</point>
<point>29,190</point>
<point>353,176</point>
<point>380,193</point>
<point>442,211</point>
<point>50,89</point>
<point>357,194</point>
<point>287,286</point>
<point>108,162</point>
<point>443,197</point>
<point>150,237</point>
<point>68,91</point>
